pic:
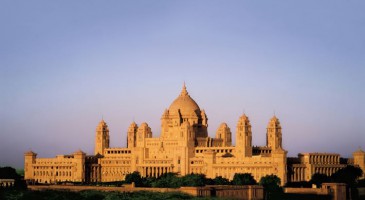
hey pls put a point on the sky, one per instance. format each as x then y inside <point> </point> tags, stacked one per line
<point>65,65</point>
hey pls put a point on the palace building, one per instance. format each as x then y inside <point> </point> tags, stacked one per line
<point>184,147</point>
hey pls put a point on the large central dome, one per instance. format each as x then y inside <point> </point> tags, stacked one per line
<point>184,103</point>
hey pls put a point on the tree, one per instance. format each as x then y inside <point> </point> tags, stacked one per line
<point>148,181</point>
<point>271,184</point>
<point>243,179</point>
<point>348,175</point>
<point>219,180</point>
<point>168,180</point>
<point>194,180</point>
<point>10,173</point>
<point>318,179</point>
<point>134,177</point>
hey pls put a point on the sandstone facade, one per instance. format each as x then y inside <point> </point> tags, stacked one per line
<point>183,147</point>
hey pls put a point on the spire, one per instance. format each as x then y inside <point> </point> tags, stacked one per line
<point>184,92</point>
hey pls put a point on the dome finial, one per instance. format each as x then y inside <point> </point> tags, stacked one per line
<point>184,92</point>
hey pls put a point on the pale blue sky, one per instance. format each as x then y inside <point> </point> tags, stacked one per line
<point>65,64</point>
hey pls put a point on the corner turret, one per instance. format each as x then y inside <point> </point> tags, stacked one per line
<point>274,135</point>
<point>244,137</point>
<point>102,138</point>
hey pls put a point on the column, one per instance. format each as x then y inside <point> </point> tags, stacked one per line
<point>296,174</point>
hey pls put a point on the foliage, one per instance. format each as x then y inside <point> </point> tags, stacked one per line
<point>90,195</point>
<point>134,177</point>
<point>168,180</point>
<point>270,183</point>
<point>348,175</point>
<point>300,184</point>
<point>243,179</point>
<point>209,181</point>
<point>318,179</point>
<point>20,172</point>
<point>194,180</point>
<point>361,183</point>
<point>147,182</point>
<point>10,173</point>
<point>219,180</point>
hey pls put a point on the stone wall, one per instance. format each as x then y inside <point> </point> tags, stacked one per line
<point>336,190</point>
<point>316,191</point>
<point>249,192</point>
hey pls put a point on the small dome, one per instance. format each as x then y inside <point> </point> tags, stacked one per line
<point>274,118</point>
<point>102,123</point>
<point>223,126</point>
<point>244,118</point>
<point>274,122</point>
<point>133,124</point>
<point>102,126</point>
<point>359,151</point>
<point>184,103</point>
<point>30,153</point>
<point>79,152</point>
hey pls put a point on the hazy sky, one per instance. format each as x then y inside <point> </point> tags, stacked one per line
<point>65,64</point>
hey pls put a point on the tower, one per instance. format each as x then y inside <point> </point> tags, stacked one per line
<point>224,133</point>
<point>144,131</point>
<point>359,160</point>
<point>274,135</point>
<point>79,168</point>
<point>132,135</point>
<point>244,136</point>
<point>102,138</point>
<point>187,133</point>
<point>29,159</point>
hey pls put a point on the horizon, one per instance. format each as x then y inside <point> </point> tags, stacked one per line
<point>65,66</point>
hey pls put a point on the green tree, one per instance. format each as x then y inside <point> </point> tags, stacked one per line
<point>194,180</point>
<point>219,180</point>
<point>348,175</point>
<point>147,182</point>
<point>243,179</point>
<point>10,173</point>
<point>271,184</point>
<point>318,179</point>
<point>20,172</point>
<point>134,177</point>
<point>168,180</point>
